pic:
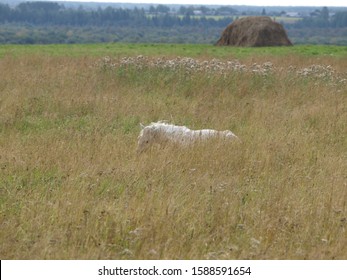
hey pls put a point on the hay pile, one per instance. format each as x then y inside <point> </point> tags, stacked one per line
<point>254,32</point>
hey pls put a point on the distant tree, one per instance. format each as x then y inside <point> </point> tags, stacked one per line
<point>225,9</point>
<point>163,9</point>
<point>182,10</point>
<point>340,20</point>
<point>324,14</point>
<point>315,13</point>
<point>263,12</point>
<point>42,6</point>
<point>152,10</point>
<point>5,11</point>
<point>187,19</point>
<point>204,9</point>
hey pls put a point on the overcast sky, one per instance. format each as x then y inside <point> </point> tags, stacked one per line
<point>318,3</point>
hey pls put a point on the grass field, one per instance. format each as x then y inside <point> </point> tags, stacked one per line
<point>190,50</point>
<point>72,186</point>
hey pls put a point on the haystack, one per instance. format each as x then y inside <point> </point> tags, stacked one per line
<point>254,32</point>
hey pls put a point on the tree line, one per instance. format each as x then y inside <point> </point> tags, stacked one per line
<point>43,13</point>
<point>322,19</point>
<point>49,22</point>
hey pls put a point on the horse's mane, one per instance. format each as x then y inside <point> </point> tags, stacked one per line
<point>167,126</point>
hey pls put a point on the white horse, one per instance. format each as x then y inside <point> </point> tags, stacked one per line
<point>162,133</point>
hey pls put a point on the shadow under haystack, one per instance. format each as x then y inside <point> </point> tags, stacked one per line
<point>255,31</point>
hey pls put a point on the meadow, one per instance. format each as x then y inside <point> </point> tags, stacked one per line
<point>73,187</point>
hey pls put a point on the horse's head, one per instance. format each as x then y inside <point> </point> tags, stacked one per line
<point>146,138</point>
<point>228,134</point>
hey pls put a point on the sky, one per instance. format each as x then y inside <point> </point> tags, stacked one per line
<point>317,3</point>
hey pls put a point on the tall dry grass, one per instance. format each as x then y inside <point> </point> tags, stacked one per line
<point>72,187</point>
